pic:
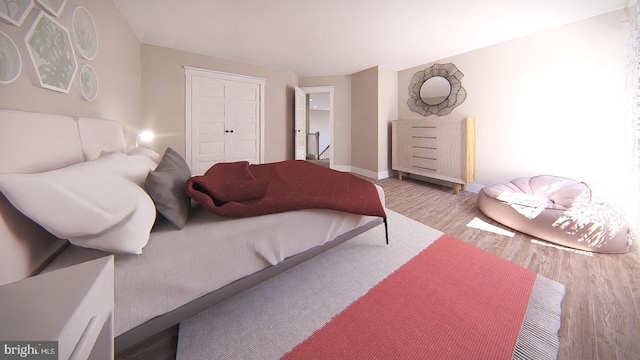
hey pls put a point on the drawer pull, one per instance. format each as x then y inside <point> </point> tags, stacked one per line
<point>424,168</point>
<point>423,157</point>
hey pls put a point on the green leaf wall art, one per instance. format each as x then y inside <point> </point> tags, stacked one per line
<point>51,52</point>
<point>53,7</point>
<point>10,60</point>
<point>84,33</point>
<point>88,83</point>
<point>15,11</point>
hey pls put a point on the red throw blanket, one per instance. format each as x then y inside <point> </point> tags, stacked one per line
<point>241,190</point>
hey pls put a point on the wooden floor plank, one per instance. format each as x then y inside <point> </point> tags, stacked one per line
<point>608,272</point>
<point>546,261</point>
<point>161,346</point>
<point>631,272</point>
<point>577,333</point>
<point>519,250</point>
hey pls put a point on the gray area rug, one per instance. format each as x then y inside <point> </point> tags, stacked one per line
<point>268,320</point>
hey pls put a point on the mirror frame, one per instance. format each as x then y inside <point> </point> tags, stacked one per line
<point>457,95</point>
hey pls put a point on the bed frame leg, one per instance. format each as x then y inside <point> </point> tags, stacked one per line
<point>386,230</point>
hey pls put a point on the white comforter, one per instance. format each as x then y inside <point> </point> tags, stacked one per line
<point>178,266</point>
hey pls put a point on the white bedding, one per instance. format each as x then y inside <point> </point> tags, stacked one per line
<point>178,266</point>
<point>99,204</point>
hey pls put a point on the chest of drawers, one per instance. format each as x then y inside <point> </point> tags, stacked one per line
<point>442,148</point>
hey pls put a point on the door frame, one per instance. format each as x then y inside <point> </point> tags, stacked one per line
<point>324,89</point>
<point>190,72</point>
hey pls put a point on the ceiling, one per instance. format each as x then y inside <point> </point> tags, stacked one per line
<point>341,37</point>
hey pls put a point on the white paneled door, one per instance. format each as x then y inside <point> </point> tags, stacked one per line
<point>223,120</point>
<point>300,124</point>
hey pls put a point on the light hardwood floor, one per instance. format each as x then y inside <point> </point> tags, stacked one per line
<point>601,307</point>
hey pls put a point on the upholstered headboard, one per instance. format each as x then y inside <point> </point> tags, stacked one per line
<point>31,143</point>
<point>97,135</point>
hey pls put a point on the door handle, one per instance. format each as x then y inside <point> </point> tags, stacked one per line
<point>228,131</point>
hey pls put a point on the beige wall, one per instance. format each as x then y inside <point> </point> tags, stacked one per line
<point>374,106</point>
<point>117,66</point>
<point>364,120</point>
<point>387,112</point>
<point>549,103</point>
<point>341,115</point>
<point>163,98</point>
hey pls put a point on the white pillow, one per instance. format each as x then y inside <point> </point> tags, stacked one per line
<point>98,204</point>
<point>145,153</point>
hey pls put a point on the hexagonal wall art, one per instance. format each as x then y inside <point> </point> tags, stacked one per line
<point>51,53</point>
<point>15,11</point>
<point>53,7</point>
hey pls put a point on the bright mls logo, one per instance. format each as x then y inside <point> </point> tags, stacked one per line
<point>28,350</point>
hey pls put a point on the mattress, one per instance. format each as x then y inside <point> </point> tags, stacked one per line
<point>178,266</point>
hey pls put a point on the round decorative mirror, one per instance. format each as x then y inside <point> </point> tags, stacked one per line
<point>436,90</point>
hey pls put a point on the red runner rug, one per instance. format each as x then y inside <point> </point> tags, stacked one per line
<point>451,301</point>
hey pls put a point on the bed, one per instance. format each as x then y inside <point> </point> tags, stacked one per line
<point>179,272</point>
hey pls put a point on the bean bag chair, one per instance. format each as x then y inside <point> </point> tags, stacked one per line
<point>558,210</point>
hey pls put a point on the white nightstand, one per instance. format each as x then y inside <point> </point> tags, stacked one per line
<point>73,306</point>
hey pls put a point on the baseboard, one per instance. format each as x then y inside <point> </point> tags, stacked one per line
<point>475,188</point>
<point>472,187</point>
<point>343,168</point>
<point>371,174</point>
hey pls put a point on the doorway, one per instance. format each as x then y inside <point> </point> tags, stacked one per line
<point>319,118</point>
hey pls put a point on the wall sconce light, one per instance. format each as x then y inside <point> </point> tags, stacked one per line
<point>144,136</point>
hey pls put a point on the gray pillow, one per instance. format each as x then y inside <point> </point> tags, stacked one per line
<point>165,185</point>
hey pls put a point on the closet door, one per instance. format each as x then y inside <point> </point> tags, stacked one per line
<point>224,119</point>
